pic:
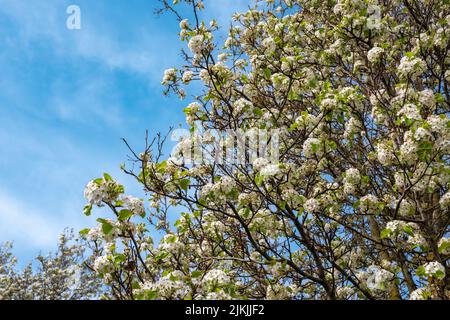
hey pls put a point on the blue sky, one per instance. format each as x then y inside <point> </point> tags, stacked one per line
<point>68,96</point>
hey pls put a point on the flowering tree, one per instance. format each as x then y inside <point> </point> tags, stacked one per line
<point>351,202</point>
<point>58,276</point>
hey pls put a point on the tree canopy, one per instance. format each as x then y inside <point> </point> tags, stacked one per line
<point>61,275</point>
<point>350,201</point>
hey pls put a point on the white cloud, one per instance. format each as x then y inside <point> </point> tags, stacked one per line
<point>26,225</point>
<point>44,174</point>
<point>88,100</point>
<point>141,53</point>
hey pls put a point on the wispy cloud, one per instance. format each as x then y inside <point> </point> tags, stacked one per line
<point>86,100</point>
<point>44,21</point>
<point>43,176</point>
<point>26,224</point>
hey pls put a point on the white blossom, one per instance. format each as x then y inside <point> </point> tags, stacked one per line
<point>379,279</point>
<point>445,200</point>
<point>184,24</point>
<point>419,294</point>
<point>411,67</point>
<point>311,147</point>
<point>216,277</point>
<point>170,75</point>
<point>434,269</point>
<point>197,44</point>
<point>134,204</point>
<point>270,170</point>
<point>312,205</point>
<point>374,54</point>
<point>260,163</point>
<point>187,76</point>
<point>444,246</point>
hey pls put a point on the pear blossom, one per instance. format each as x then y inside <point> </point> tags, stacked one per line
<point>419,294</point>
<point>374,54</point>
<point>270,170</point>
<point>197,44</point>
<point>435,269</point>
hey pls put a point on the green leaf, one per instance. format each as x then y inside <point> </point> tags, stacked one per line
<point>385,233</point>
<point>425,150</point>
<point>87,210</point>
<point>444,246</point>
<point>408,122</point>
<point>332,145</point>
<point>259,179</point>
<point>267,73</point>
<point>107,177</point>
<point>118,258</point>
<point>84,231</point>
<point>408,230</point>
<point>365,179</point>
<point>161,256</point>
<point>106,225</point>
<point>292,95</point>
<point>184,184</point>
<point>107,228</point>
<point>257,112</point>
<point>197,214</point>
<point>314,147</point>
<point>125,214</point>
<point>135,285</point>
<point>151,295</point>
<point>171,239</point>
<point>293,126</point>
<point>420,271</point>
<point>172,277</point>
<point>160,167</point>
<point>246,212</point>
<point>196,274</point>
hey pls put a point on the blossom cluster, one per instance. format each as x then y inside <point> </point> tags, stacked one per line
<point>356,205</point>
